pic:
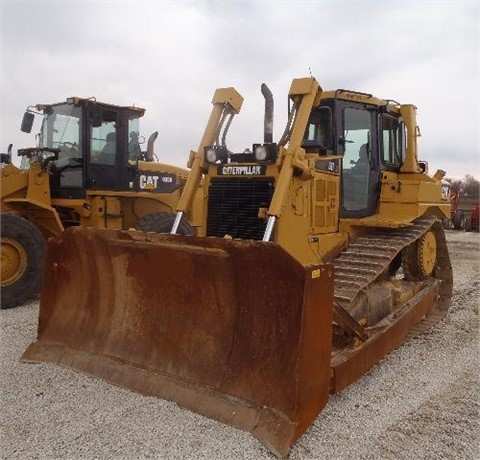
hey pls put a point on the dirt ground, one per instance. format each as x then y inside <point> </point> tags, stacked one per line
<point>420,402</point>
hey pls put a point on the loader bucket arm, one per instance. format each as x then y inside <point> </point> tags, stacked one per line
<point>225,100</point>
<point>218,329</point>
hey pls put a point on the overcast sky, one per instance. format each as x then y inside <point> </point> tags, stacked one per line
<point>169,57</point>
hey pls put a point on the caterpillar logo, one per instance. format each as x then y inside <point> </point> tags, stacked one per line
<point>246,170</point>
<point>148,182</point>
<point>163,183</point>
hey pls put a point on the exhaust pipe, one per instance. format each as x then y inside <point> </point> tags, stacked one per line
<point>268,122</point>
<point>150,142</point>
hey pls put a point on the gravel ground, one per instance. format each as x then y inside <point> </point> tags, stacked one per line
<point>421,402</point>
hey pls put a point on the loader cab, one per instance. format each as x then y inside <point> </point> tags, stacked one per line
<point>99,146</point>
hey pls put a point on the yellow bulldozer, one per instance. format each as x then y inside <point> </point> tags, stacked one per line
<point>87,170</point>
<point>315,257</point>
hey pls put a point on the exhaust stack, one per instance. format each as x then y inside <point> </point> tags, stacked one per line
<point>150,143</point>
<point>268,122</point>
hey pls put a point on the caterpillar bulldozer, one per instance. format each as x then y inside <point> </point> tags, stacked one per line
<point>316,256</point>
<point>88,169</point>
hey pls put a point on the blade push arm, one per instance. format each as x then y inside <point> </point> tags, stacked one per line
<point>225,101</point>
<point>304,92</point>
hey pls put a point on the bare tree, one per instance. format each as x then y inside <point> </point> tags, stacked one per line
<point>471,186</point>
<point>466,186</point>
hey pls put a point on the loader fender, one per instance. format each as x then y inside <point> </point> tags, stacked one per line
<point>236,330</point>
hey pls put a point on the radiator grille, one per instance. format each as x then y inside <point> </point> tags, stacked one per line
<point>233,206</point>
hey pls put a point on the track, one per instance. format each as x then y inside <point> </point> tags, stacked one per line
<point>376,265</point>
<point>370,257</point>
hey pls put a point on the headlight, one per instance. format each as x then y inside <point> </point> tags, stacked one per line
<point>267,153</point>
<point>210,154</point>
<point>260,153</point>
<point>214,153</point>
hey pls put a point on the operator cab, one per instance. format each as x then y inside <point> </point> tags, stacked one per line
<point>369,136</point>
<point>98,145</point>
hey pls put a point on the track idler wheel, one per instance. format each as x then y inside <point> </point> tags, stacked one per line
<point>419,259</point>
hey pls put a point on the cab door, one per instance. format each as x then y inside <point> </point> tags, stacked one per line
<point>360,165</point>
<point>107,160</point>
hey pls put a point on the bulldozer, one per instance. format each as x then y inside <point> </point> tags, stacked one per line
<point>87,169</point>
<point>316,255</point>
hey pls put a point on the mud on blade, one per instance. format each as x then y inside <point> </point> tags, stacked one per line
<point>235,330</point>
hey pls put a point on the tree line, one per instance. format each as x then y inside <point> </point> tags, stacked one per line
<point>466,186</point>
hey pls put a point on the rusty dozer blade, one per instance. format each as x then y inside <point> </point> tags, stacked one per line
<point>238,331</point>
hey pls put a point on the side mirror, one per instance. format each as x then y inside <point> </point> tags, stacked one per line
<point>6,158</point>
<point>27,122</point>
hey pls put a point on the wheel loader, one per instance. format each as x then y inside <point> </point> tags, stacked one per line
<point>87,170</point>
<point>316,256</point>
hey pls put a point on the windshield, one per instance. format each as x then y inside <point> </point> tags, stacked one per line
<point>61,127</point>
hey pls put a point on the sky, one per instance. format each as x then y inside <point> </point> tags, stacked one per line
<point>169,57</point>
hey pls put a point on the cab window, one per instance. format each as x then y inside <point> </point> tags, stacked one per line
<point>318,137</point>
<point>61,128</point>
<point>103,143</point>
<point>393,140</point>
<point>357,158</point>
<point>134,151</point>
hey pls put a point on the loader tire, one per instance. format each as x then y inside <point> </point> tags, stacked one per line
<point>162,222</point>
<point>23,254</point>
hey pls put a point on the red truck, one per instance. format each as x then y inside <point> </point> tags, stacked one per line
<point>464,212</point>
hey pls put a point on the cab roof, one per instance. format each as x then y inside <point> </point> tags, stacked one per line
<point>75,100</point>
<point>364,98</point>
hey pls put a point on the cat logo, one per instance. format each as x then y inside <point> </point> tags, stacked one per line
<point>148,182</point>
